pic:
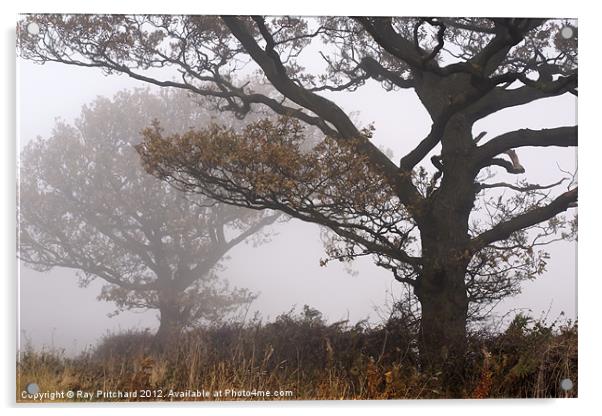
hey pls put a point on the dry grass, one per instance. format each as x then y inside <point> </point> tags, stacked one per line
<point>312,360</point>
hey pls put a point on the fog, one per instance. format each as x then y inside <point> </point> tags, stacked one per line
<point>285,272</point>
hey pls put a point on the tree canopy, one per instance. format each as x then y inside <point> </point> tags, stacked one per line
<point>86,203</point>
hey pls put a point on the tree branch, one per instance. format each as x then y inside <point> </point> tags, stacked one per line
<point>427,144</point>
<point>379,72</point>
<point>559,136</point>
<point>504,230</point>
<point>506,164</point>
<point>269,61</point>
<point>526,188</point>
<point>382,31</point>
<point>467,26</point>
<point>252,230</point>
<point>509,32</point>
<point>187,277</point>
<point>272,67</point>
<point>500,98</point>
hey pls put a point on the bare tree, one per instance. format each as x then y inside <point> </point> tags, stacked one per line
<point>86,203</point>
<point>418,223</point>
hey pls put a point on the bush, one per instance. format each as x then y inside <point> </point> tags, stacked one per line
<point>316,360</point>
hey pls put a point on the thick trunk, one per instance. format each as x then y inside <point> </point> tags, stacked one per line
<point>170,327</point>
<point>445,238</point>
<point>442,342</point>
<point>442,289</point>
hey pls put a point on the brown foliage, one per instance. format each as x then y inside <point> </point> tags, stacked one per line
<point>316,360</point>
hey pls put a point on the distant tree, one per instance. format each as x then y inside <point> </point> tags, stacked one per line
<point>86,203</point>
<point>458,240</point>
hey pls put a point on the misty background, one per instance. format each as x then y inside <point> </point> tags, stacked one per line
<point>55,312</point>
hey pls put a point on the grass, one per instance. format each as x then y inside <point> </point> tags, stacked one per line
<point>300,357</point>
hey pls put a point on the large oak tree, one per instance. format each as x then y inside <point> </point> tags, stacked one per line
<point>421,217</point>
<point>86,203</point>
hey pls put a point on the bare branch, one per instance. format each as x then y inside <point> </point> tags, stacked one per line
<point>509,32</point>
<point>500,98</point>
<point>506,164</point>
<point>526,188</point>
<point>383,33</point>
<point>378,72</point>
<point>560,136</point>
<point>504,230</point>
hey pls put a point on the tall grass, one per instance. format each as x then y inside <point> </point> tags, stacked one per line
<point>301,357</point>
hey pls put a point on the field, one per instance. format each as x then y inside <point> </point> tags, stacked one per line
<point>301,357</point>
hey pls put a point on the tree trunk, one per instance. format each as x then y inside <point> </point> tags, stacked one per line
<point>445,240</point>
<point>170,327</point>
<point>441,288</point>
<point>442,342</point>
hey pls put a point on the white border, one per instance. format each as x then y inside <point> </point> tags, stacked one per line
<point>589,155</point>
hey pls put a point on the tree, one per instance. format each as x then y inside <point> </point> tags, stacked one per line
<point>86,203</point>
<point>426,225</point>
